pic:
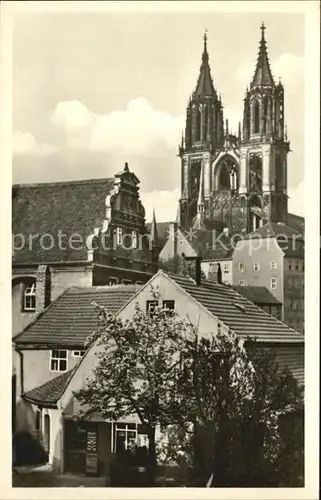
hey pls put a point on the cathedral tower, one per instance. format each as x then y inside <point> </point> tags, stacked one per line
<point>204,134</point>
<point>264,147</point>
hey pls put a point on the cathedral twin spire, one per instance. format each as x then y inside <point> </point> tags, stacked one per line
<point>205,86</point>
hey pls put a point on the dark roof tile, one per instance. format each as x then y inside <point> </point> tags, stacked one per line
<point>49,393</point>
<point>75,207</point>
<point>239,314</point>
<point>257,294</point>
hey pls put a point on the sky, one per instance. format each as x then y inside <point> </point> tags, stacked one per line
<point>92,91</point>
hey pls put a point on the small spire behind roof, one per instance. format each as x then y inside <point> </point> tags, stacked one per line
<point>153,230</point>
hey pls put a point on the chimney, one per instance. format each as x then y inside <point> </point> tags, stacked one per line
<point>198,271</point>
<point>215,273</point>
<point>198,268</point>
<point>43,288</point>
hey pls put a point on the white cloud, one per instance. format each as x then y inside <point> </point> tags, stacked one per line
<point>137,129</point>
<point>289,67</point>
<point>234,116</point>
<point>164,202</point>
<point>296,198</point>
<point>24,143</point>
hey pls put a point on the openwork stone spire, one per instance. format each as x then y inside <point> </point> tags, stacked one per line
<point>262,75</point>
<point>205,87</point>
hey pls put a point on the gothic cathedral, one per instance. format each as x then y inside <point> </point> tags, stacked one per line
<point>238,181</point>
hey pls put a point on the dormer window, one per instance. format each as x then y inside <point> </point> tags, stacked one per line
<point>119,236</point>
<point>29,297</point>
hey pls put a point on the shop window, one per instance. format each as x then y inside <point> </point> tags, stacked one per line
<point>125,436</point>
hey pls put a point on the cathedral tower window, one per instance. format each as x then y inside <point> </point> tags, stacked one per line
<point>256,116</point>
<point>265,113</point>
<point>198,124</point>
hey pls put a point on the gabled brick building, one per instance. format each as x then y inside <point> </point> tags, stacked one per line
<point>83,233</point>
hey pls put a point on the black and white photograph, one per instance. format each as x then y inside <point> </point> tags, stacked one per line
<point>160,325</point>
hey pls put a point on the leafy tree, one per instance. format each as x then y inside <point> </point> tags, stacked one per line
<point>224,397</point>
<point>236,396</point>
<point>136,365</point>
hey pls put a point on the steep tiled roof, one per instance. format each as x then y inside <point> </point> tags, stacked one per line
<point>295,221</point>
<point>239,314</point>
<point>69,207</point>
<point>71,318</point>
<point>49,393</point>
<point>257,294</point>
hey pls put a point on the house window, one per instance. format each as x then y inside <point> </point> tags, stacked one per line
<point>273,265</point>
<point>29,298</point>
<point>78,354</point>
<point>150,305</point>
<point>125,436</point>
<point>169,305</point>
<point>290,265</point>
<point>58,360</point>
<point>273,283</point>
<point>241,267</point>
<point>119,236</point>
<point>134,239</point>
<point>112,281</point>
<point>256,266</point>
<point>139,283</point>
<point>297,266</point>
<point>294,306</point>
<point>226,267</point>
<point>126,282</point>
<point>241,282</point>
